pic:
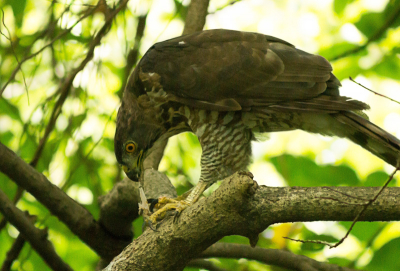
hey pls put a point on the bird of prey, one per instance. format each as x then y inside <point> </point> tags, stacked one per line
<point>225,86</point>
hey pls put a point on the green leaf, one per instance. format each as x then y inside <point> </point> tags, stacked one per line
<point>6,108</point>
<point>389,66</point>
<point>302,171</point>
<point>378,178</point>
<point>387,257</point>
<point>371,22</point>
<point>336,49</point>
<point>339,261</point>
<point>18,7</point>
<point>6,137</point>
<point>364,231</point>
<point>340,5</point>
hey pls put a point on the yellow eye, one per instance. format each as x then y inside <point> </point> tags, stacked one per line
<point>130,147</point>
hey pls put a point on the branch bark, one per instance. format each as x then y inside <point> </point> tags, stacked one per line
<point>79,220</point>
<point>281,258</point>
<point>119,208</point>
<point>36,237</point>
<point>240,207</point>
<point>196,16</point>
<point>13,253</point>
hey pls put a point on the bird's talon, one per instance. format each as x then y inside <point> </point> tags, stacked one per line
<point>147,221</point>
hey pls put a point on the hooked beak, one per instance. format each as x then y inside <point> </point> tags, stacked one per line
<point>134,172</point>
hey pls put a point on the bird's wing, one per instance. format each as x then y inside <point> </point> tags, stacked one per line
<point>232,70</point>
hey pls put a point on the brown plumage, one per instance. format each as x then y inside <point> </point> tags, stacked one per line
<point>225,85</point>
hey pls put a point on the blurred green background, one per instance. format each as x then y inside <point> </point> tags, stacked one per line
<point>79,158</point>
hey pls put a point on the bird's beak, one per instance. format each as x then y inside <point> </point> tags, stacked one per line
<point>133,172</point>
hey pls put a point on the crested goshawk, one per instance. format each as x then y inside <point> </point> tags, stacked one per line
<point>225,86</point>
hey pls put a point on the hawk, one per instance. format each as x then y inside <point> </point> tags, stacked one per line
<point>225,86</point>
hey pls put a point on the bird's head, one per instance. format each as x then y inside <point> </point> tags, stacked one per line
<point>135,135</point>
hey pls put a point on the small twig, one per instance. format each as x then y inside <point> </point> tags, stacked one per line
<point>376,93</point>
<point>36,237</point>
<point>63,33</point>
<point>72,171</point>
<point>355,219</point>
<point>13,51</point>
<point>13,253</point>
<point>133,53</point>
<point>281,258</point>
<point>367,245</point>
<point>66,86</point>
<point>16,248</point>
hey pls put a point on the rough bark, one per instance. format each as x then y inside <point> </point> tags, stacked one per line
<point>196,16</point>
<point>241,207</point>
<point>79,220</point>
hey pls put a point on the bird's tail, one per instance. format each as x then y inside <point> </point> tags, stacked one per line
<point>367,135</point>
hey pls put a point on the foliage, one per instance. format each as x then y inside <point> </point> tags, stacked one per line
<point>78,153</point>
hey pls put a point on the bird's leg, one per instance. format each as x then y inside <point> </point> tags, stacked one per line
<point>178,205</point>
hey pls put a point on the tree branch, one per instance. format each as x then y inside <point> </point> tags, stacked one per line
<point>13,253</point>
<point>79,220</point>
<point>119,207</point>
<point>37,238</point>
<point>240,207</point>
<point>196,16</point>
<point>281,258</point>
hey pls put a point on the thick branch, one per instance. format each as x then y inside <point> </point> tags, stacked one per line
<point>240,207</point>
<point>37,238</point>
<point>281,258</point>
<point>196,16</point>
<point>79,220</point>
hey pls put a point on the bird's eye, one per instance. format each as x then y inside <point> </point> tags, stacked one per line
<point>130,147</point>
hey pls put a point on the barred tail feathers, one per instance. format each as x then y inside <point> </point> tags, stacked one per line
<point>361,131</point>
<point>369,136</point>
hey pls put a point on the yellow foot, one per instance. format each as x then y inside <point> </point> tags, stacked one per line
<point>164,206</point>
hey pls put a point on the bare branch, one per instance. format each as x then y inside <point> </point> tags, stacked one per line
<point>13,253</point>
<point>37,238</point>
<point>9,38</point>
<point>281,258</point>
<point>196,16</point>
<point>361,212</point>
<point>376,93</point>
<point>65,87</point>
<point>77,218</point>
